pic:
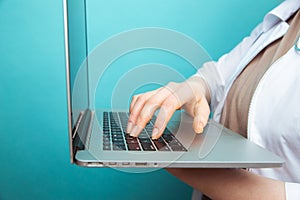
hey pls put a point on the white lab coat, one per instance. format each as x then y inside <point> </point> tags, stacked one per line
<point>274,114</point>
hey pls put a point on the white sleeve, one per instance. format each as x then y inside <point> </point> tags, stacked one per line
<point>218,74</point>
<point>292,191</point>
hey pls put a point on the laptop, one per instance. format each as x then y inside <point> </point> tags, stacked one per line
<point>98,138</point>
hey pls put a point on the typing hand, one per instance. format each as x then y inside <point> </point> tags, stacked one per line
<point>192,95</point>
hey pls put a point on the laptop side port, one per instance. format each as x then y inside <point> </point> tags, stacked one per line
<point>125,163</point>
<point>141,164</point>
<point>94,164</point>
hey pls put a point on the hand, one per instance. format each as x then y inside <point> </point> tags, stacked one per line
<point>192,95</point>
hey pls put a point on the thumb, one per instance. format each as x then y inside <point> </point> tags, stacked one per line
<point>201,114</point>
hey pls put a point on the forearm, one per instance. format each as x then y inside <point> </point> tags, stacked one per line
<point>231,183</point>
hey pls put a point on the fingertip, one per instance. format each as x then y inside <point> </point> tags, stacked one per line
<point>155,133</point>
<point>199,130</point>
<point>135,131</point>
<point>198,127</point>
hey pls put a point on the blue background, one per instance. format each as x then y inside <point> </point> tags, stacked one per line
<point>34,156</point>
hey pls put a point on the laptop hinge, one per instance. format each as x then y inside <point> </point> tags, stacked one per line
<point>81,131</point>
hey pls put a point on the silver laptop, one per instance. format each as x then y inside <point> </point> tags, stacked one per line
<point>98,138</point>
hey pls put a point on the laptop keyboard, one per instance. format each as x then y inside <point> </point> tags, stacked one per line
<point>115,137</point>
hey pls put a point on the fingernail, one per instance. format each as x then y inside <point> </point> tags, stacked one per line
<point>134,131</point>
<point>129,127</point>
<point>199,128</point>
<point>154,133</point>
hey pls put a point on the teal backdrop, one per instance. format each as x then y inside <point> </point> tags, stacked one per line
<point>34,153</point>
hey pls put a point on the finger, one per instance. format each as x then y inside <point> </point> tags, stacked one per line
<point>136,106</point>
<point>189,108</point>
<point>149,107</point>
<point>145,105</point>
<point>201,114</point>
<point>143,118</point>
<point>133,101</point>
<point>135,98</point>
<point>136,130</point>
<point>169,106</point>
<point>182,94</point>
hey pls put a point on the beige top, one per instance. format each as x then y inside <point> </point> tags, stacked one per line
<point>236,108</point>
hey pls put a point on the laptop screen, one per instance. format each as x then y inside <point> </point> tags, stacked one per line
<point>77,46</point>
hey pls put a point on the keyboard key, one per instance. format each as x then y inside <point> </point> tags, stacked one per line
<point>132,141</point>
<point>106,129</point>
<point>128,137</point>
<point>117,140</point>
<point>165,148</point>
<point>143,136</point>
<point>174,144</point>
<point>119,148</point>
<point>106,133</point>
<point>168,137</point>
<point>106,147</point>
<point>134,147</point>
<point>179,149</point>
<point>160,145</point>
<point>119,136</point>
<point>145,140</point>
<point>106,141</point>
<point>148,147</point>
<point>177,146</point>
<point>106,136</point>
<point>119,143</point>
